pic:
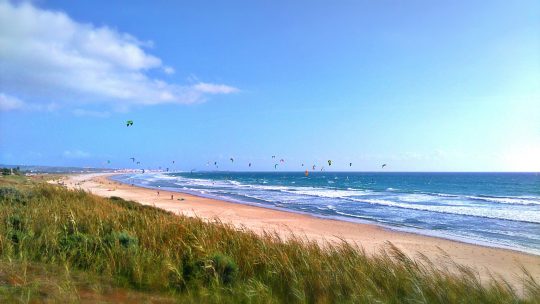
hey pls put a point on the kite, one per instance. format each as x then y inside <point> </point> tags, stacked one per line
<point>273,156</point>
<point>249,164</point>
<point>275,166</point>
<point>384,165</point>
<point>306,173</point>
<point>282,160</point>
<point>132,159</point>
<point>232,160</point>
<point>350,164</point>
<point>314,167</point>
<point>329,162</point>
<point>129,123</point>
<point>138,163</point>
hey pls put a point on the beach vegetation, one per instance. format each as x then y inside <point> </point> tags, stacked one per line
<point>64,245</point>
<point>11,171</point>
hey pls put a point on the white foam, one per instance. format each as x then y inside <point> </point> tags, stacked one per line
<point>442,203</point>
<point>416,198</point>
<point>330,193</point>
<point>508,200</point>
<point>516,200</point>
<point>531,216</point>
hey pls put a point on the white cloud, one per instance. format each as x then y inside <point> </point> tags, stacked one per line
<point>168,70</point>
<point>8,103</point>
<point>45,54</point>
<point>75,154</point>
<point>211,88</point>
<point>11,103</point>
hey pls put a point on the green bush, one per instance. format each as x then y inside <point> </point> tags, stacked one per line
<point>224,268</point>
<point>12,195</point>
<point>127,240</point>
<point>15,221</point>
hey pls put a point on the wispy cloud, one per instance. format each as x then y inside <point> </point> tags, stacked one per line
<point>211,88</point>
<point>12,103</point>
<point>47,55</point>
<point>8,103</point>
<point>90,113</point>
<point>168,70</point>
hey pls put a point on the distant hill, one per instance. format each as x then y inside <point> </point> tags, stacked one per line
<point>54,169</point>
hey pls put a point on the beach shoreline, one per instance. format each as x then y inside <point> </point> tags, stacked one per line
<point>371,237</point>
<point>354,220</point>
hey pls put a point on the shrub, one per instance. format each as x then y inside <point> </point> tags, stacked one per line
<point>123,238</point>
<point>12,195</point>
<point>191,268</point>
<point>127,240</point>
<point>15,221</point>
<point>16,232</point>
<point>224,267</point>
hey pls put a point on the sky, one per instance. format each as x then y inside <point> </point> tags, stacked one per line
<point>417,85</point>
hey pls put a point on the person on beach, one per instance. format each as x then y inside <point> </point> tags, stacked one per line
<point>172,196</point>
<point>158,193</point>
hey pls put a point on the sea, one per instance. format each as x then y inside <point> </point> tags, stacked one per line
<point>491,209</point>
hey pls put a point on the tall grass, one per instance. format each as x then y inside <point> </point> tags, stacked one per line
<point>150,250</point>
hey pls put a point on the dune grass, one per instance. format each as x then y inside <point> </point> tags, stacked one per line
<point>86,243</point>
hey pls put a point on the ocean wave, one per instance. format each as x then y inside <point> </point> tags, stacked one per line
<point>307,191</point>
<point>329,193</point>
<point>236,183</point>
<point>514,200</point>
<point>264,199</point>
<point>181,181</point>
<point>413,198</point>
<point>332,193</point>
<point>364,217</point>
<point>507,200</point>
<point>157,176</point>
<point>457,200</point>
<point>529,216</point>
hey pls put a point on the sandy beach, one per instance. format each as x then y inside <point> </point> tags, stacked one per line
<point>486,260</point>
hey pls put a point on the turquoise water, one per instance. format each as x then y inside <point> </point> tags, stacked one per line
<point>497,209</point>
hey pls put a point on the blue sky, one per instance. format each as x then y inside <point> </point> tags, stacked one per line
<point>419,85</point>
